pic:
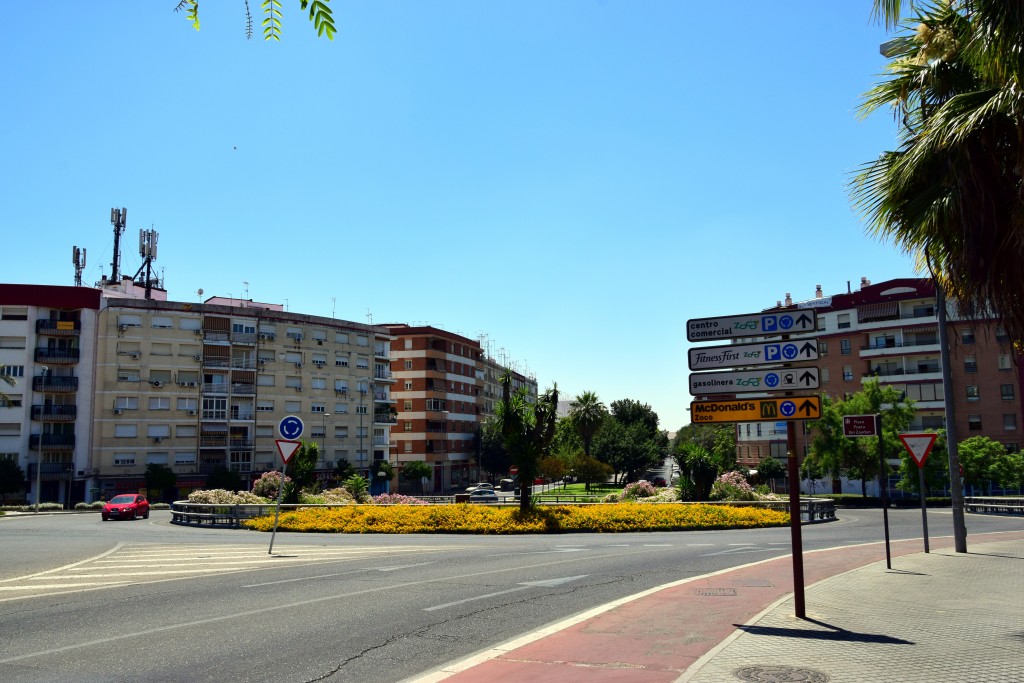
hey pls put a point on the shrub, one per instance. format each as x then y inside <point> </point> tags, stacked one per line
<point>222,497</point>
<point>638,489</point>
<point>357,486</point>
<point>268,483</point>
<point>732,486</point>
<point>397,499</point>
<point>95,505</point>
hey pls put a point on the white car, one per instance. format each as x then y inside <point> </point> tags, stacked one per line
<point>481,486</point>
<point>483,496</point>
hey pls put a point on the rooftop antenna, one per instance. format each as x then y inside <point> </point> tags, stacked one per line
<point>78,258</point>
<point>147,250</point>
<point>246,285</point>
<point>199,293</point>
<point>334,301</point>
<point>118,218</point>
<point>369,317</point>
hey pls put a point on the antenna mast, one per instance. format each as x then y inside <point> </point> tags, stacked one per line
<point>78,258</point>
<point>118,218</point>
<point>147,250</point>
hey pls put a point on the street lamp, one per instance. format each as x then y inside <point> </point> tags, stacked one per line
<point>363,386</point>
<point>39,459</point>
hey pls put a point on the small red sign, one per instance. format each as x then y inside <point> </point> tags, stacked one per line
<point>919,446</point>
<point>287,449</point>
<point>859,425</point>
<point>513,470</point>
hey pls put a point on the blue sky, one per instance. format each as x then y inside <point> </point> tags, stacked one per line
<point>572,178</point>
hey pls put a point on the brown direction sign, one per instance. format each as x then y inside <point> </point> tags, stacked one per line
<point>756,409</point>
<point>859,425</point>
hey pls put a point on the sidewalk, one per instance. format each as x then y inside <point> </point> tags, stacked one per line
<point>943,616</point>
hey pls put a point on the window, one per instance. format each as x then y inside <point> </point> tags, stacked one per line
<point>341,361</point>
<point>340,432</point>
<point>361,410</point>
<point>264,380</point>
<point>158,431</point>
<point>924,392</point>
<point>292,357</point>
<point>318,382</point>
<point>1004,361</point>
<point>10,429</point>
<point>264,432</point>
<point>408,365</point>
<point>188,404</point>
<point>185,431</point>
<point>408,343</point>
<point>264,406</point>
<point>341,386</point>
<point>362,340</point>
<point>341,338</point>
<point>341,408</point>
<point>1001,335</point>
<point>124,459</point>
<point>408,385</point>
<point>844,347</point>
<point>967,335</point>
<point>408,446</point>
<point>318,408</point>
<point>126,403</point>
<point>129,321</point>
<point>161,322</point>
<point>972,392</point>
<point>12,342</point>
<point>159,402</point>
<point>974,423</point>
<point>970,364</point>
<point>847,373</point>
<point>162,376</point>
<point>13,371</point>
<point>125,431</point>
<point>156,458</point>
<point>406,405</point>
<point>822,348</point>
<point>1006,392</point>
<point>362,363</point>
<point>408,426</point>
<point>13,401</point>
<point>843,321</point>
<point>188,324</point>
<point>184,458</point>
<point>824,375</point>
<point>293,381</point>
<point>292,406</point>
<point>1010,422</point>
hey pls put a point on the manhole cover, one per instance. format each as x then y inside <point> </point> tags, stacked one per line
<point>780,674</point>
<point>716,591</point>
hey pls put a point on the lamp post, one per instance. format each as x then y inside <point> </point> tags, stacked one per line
<point>363,384</point>
<point>39,459</point>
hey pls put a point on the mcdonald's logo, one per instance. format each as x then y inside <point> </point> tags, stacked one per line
<point>769,410</point>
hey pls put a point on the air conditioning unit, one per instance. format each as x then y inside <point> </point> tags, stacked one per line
<point>197,332</point>
<point>198,359</point>
<point>134,356</point>
<point>191,384</point>
<point>193,413</point>
<point>118,411</point>
<point>157,383</point>
<point>157,439</point>
<point>263,361</point>
<point>182,384</point>
<point>298,365</point>
<point>319,342</point>
<point>298,337</point>
<point>298,388</point>
<point>122,328</point>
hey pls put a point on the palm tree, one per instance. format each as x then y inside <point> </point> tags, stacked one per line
<point>527,429</point>
<point>952,193</point>
<point>587,414</point>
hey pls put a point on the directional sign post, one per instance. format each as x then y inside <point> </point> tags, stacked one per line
<point>762,353</point>
<point>786,379</point>
<point>920,446</point>
<point>859,425</point>
<point>751,325</point>
<point>756,409</point>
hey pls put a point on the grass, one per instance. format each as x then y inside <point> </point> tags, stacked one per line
<point>596,491</point>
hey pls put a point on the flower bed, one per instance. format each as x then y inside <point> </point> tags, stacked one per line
<point>483,519</point>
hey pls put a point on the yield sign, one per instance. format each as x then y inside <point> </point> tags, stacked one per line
<point>919,446</point>
<point>287,449</point>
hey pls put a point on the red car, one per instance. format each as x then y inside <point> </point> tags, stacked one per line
<point>126,506</point>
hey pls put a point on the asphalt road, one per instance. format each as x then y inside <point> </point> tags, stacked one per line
<point>84,600</point>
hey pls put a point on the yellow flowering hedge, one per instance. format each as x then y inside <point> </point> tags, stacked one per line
<point>484,519</point>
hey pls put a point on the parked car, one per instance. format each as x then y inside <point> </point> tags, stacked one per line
<point>483,496</point>
<point>126,506</point>
<point>658,481</point>
<point>481,486</point>
<point>507,485</point>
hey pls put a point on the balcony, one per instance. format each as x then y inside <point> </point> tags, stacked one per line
<point>883,348</point>
<point>246,415</point>
<point>213,440</point>
<point>51,442</point>
<point>383,397</point>
<point>210,466</point>
<point>241,444</point>
<point>219,415</point>
<point>215,388</point>
<point>58,328</point>
<point>243,389</point>
<point>383,376</point>
<point>243,364</point>
<point>214,362</point>
<point>385,418</point>
<point>52,384</point>
<point>244,338</point>
<point>57,356</point>
<point>51,471</point>
<point>54,413</point>
<point>216,336</point>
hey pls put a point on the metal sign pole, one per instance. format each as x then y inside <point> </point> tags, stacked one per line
<point>883,487</point>
<point>277,512</point>
<point>794,522</point>
<point>924,506</point>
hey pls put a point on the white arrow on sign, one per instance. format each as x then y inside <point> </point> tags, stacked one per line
<point>751,325</point>
<point>785,379</point>
<point>919,446</point>
<point>741,355</point>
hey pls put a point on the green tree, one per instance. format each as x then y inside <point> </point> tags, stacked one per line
<point>698,469</point>
<point>12,477</point>
<point>358,486</point>
<point>553,468</point>
<point>566,443</point>
<point>770,469</point>
<point>301,470</point>
<point>978,455</point>
<point>415,470</point>
<point>630,412</point>
<point>160,479</point>
<point>221,477</point>
<point>527,430</point>
<point>952,191</point>
<point>1008,471</point>
<point>629,449</point>
<point>319,15</point>
<point>857,458</point>
<point>590,470</point>
<point>343,469</point>
<point>587,414</point>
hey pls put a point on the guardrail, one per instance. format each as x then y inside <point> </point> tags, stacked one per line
<point>989,504</point>
<point>221,515</point>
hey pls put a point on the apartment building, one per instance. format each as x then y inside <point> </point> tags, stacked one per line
<point>446,386</point>
<point>119,383</point>
<point>889,331</point>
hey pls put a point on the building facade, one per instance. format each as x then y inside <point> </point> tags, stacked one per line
<point>889,331</point>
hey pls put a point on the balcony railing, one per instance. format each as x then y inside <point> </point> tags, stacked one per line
<point>878,346</point>
<point>213,440</point>
<point>243,337</point>
<point>215,414</point>
<point>241,444</point>
<point>51,471</point>
<point>246,389</point>
<point>243,415</point>
<point>53,384</point>
<point>215,388</point>
<point>54,413</point>
<point>899,372</point>
<point>216,335</point>
<point>51,442</point>
<point>214,362</point>
<point>57,356</point>
<point>385,418</point>
<point>58,328</point>
<point>243,364</point>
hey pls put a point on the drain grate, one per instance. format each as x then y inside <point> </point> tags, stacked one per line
<point>716,591</point>
<point>780,674</point>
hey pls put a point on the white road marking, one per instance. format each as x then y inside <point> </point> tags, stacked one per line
<point>547,583</point>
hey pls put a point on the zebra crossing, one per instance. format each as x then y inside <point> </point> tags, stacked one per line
<point>134,563</point>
